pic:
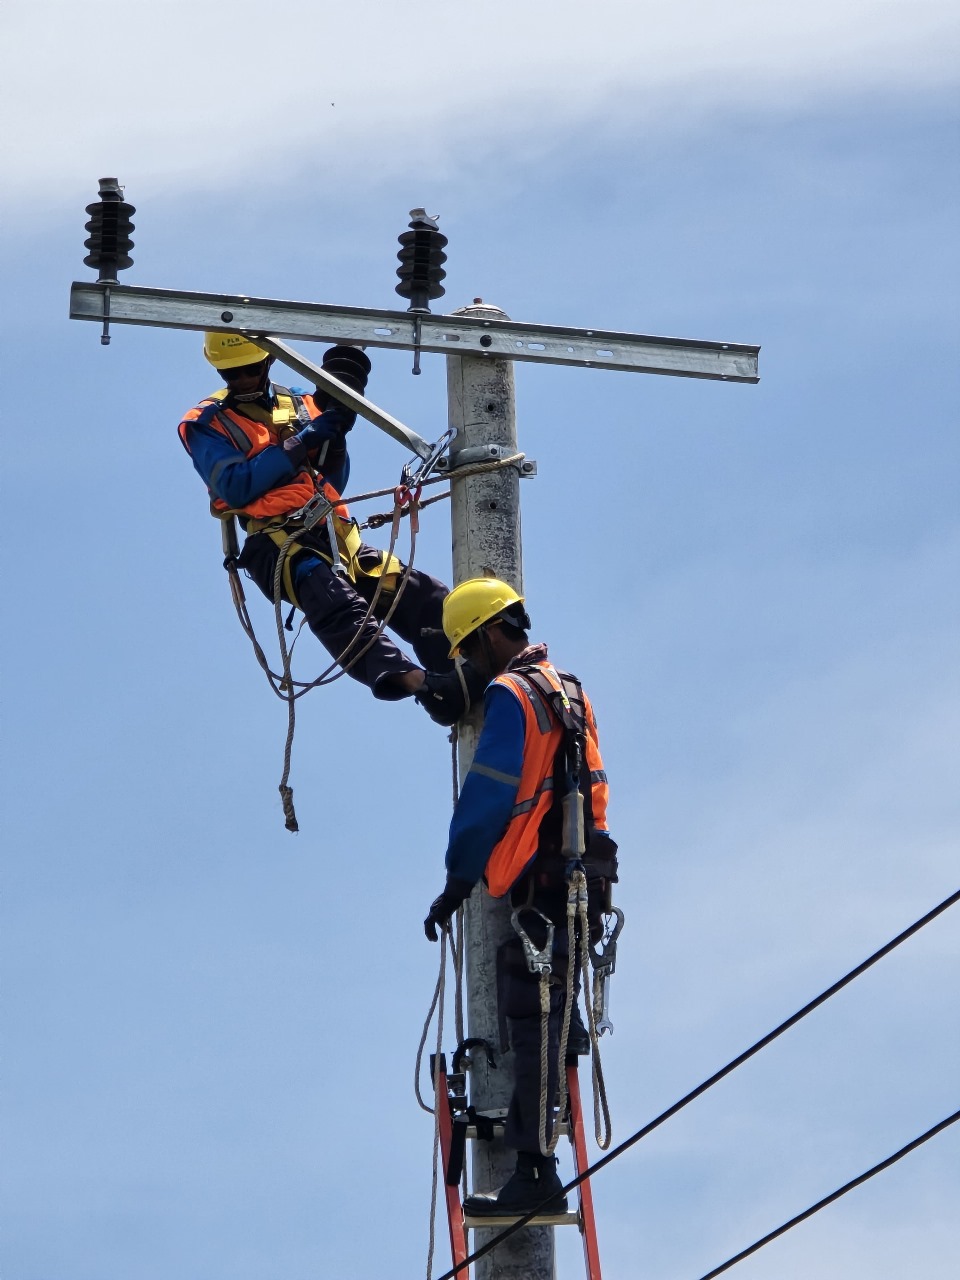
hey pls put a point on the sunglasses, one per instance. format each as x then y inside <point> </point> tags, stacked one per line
<point>242,371</point>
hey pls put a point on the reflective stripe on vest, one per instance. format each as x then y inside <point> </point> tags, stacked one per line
<point>251,436</point>
<point>526,805</point>
<point>542,738</point>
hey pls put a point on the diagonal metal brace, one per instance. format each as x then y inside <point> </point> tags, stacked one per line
<point>346,395</point>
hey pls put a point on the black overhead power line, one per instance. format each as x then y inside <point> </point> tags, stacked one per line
<point>841,1191</point>
<point>714,1079</point>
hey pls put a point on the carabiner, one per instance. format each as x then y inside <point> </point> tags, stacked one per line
<point>604,959</point>
<point>538,961</point>
<point>412,474</point>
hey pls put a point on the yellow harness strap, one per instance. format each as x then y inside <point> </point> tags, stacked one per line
<point>349,543</point>
<point>284,419</point>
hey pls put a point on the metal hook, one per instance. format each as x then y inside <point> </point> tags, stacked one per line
<point>605,959</point>
<point>538,960</point>
<point>412,478</point>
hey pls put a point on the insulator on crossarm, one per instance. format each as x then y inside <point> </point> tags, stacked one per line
<point>350,365</point>
<point>421,261</point>
<point>109,226</point>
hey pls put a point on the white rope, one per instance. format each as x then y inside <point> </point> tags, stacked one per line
<point>341,664</point>
<point>439,1102</point>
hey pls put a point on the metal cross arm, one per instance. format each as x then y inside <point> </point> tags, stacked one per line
<point>108,307</point>
<point>455,335</point>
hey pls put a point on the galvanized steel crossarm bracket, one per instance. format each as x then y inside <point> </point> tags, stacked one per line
<point>445,335</point>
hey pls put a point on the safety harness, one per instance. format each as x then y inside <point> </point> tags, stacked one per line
<point>572,813</point>
<point>341,544</point>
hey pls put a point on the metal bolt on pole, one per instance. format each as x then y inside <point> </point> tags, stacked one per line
<point>486,539</point>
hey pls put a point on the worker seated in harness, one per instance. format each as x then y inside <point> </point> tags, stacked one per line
<point>508,828</point>
<point>264,452</point>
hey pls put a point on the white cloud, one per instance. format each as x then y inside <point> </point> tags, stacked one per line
<point>196,91</point>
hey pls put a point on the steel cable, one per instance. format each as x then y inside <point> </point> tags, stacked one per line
<point>714,1079</point>
<point>835,1195</point>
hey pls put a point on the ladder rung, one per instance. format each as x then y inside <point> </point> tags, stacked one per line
<point>569,1219</point>
<point>564,1128</point>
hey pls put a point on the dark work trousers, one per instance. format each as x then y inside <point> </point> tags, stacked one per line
<point>335,607</point>
<point>519,998</point>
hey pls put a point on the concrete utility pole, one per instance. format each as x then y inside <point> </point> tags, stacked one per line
<point>485,508</point>
<point>486,539</point>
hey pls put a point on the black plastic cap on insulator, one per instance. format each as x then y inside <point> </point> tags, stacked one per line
<point>109,226</point>
<point>421,261</point>
<point>349,364</point>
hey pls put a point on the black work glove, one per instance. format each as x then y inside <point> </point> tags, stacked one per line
<point>442,693</point>
<point>329,428</point>
<point>454,895</point>
<point>332,424</point>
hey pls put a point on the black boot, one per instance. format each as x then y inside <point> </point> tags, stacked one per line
<point>535,1181</point>
<point>445,697</point>
<point>578,1038</point>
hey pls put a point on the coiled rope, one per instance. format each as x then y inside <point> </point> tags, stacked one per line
<point>341,664</point>
<point>407,502</point>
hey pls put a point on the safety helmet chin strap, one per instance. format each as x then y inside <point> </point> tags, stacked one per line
<point>487,648</point>
<point>261,392</point>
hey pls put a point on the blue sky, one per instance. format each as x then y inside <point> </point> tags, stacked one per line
<point>209,1024</point>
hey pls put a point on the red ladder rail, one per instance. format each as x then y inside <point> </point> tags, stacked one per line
<point>585,1215</point>
<point>588,1223</point>
<point>458,1232</point>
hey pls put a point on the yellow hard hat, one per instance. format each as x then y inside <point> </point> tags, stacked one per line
<point>471,604</point>
<point>231,350</point>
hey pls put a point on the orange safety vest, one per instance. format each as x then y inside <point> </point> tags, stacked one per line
<point>542,738</point>
<point>252,436</point>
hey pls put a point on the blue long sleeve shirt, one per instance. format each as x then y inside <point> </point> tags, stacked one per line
<point>230,476</point>
<point>238,480</point>
<point>490,789</point>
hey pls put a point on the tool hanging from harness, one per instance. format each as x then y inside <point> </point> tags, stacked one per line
<point>579,838</point>
<point>569,836</point>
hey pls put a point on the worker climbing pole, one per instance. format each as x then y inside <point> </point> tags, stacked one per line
<point>481,399</point>
<point>276,461</point>
<point>531,817</point>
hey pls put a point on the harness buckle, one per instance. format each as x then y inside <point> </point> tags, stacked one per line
<point>312,512</point>
<point>538,960</point>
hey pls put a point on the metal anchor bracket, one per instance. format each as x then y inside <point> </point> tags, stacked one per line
<point>485,453</point>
